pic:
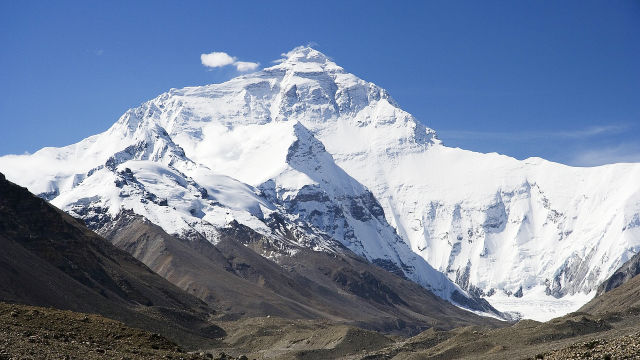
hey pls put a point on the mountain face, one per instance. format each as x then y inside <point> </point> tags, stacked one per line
<point>311,156</point>
<point>236,276</point>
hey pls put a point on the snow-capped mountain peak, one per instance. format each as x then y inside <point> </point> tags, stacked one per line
<point>339,160</point>
<point>304,54</point>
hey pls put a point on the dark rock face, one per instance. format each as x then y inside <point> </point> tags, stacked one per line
<point>390,266</point>
<point>93,215</point>
<point>49,195</point>
<point>518,293</point>
<point>475,303</point>
<point>627,271</point>
<point>367,286</point>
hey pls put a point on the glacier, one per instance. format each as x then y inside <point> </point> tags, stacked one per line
<point>332,158</point>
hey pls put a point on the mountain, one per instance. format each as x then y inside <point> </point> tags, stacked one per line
<point>309,155</point>
<point>235,277</point>
<point>50,259</point>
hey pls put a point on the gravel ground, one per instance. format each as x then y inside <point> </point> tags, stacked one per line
<point>625,347</point>
<point>28,332</point>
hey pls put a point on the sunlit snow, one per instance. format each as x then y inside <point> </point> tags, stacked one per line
<point>198,158</point>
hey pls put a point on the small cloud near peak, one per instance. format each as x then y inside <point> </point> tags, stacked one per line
<point>219,59</point>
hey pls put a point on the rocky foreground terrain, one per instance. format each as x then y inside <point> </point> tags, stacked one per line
<point>575,336</point>
<point>625,347</point>
<point>30,332</point>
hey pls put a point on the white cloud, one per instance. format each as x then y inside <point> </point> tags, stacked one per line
<point>219,59</point>
<point>245,65</point>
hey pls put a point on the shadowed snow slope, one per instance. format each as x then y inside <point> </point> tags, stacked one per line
<point>338,160</point>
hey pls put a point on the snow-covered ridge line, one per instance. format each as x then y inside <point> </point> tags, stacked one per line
<point>527,231</point>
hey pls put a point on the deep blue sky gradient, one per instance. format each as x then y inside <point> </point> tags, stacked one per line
<point>555,79</point>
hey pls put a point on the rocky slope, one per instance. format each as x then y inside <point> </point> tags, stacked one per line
<point>236,276</point>
<point>49,258</point>
<point>338,161</point>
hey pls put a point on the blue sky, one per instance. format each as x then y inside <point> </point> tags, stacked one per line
<point>555,79</point>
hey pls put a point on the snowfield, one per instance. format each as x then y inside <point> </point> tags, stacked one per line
<point>338,159</point>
